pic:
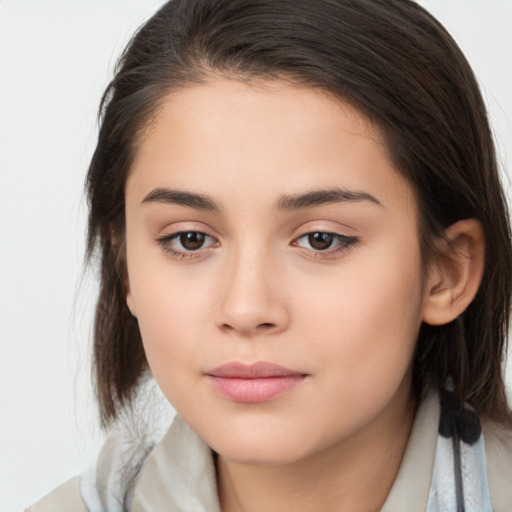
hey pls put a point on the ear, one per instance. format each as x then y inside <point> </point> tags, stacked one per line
<point>118,244</point>
<point>129,299</point>
<point>456,275</point>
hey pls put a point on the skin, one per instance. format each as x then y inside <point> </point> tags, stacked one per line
<point>257,290</point>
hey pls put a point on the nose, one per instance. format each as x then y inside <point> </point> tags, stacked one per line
<point>252,298</point>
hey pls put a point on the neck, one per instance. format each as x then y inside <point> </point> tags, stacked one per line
<point>355,474</point>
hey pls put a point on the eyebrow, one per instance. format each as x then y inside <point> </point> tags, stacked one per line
<point>192,200</point>
<point>321,197</point>
<point>284,203</point>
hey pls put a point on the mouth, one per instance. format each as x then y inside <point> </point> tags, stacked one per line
<point>253,383</point>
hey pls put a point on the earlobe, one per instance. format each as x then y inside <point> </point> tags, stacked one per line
<point>457,273</point>
<point>129,297</point>
<point>130,303</point>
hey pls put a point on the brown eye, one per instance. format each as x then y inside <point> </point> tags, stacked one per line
<point>186,244</point>
<point>192,240</point>
<point>320,241</point>
<point>323,241</point>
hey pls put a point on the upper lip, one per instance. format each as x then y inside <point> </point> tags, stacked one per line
<point>257,370</point>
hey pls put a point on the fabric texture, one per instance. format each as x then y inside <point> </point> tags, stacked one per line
<point>448,466</point>
<point>459,476</point>
<point>66,497</point>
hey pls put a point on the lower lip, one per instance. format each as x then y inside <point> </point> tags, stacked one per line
<point>254,390</point>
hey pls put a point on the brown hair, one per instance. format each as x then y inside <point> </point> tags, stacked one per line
<point>389,59</point>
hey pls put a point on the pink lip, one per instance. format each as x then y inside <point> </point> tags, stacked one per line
<point>254,383</point>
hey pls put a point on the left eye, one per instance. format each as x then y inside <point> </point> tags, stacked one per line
<point>186,241</point>
<point>322,241</point>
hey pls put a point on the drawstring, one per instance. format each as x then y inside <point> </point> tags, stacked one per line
<point>459,488</point>
<point>461,424</point>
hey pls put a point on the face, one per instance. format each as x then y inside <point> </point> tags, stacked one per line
<point>274,269</point>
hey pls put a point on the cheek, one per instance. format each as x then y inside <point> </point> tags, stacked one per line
<point>171,355</point>
<point>367,320</point>
<point>165,314</point>
<point>170,311</point>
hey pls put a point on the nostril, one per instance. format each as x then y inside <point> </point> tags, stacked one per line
<point>266,327</point>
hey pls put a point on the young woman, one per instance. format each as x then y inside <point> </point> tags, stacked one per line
<point>303,239</point>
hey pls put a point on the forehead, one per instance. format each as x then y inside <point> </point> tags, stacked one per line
<point>227,135</point>
<point>267,104</point>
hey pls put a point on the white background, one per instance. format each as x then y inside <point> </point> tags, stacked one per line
<point>56,57</point>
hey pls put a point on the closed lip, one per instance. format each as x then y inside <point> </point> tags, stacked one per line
<point>259,370</point>
<point>253,383</point>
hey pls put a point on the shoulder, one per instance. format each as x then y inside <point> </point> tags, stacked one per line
<point>109,483</point>
<point>66,497</point>
<point>498,450</point>
<point>106,486</point>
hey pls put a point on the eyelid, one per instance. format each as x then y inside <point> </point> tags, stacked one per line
<point>343,242</point>
<point>326,227</point>
<point>168,236</point>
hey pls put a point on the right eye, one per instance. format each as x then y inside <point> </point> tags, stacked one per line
<point>185,244</point>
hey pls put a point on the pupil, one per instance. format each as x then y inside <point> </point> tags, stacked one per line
<point>192,240</point>
<point>320,241</point>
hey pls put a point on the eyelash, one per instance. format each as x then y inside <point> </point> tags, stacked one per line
<point>344,243</point>
<point>166,241</point>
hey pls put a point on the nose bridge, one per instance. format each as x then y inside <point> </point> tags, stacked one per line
<point>250,296</point>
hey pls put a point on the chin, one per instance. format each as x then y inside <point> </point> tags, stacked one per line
<point>261,457</point>
<point>260,448</point>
